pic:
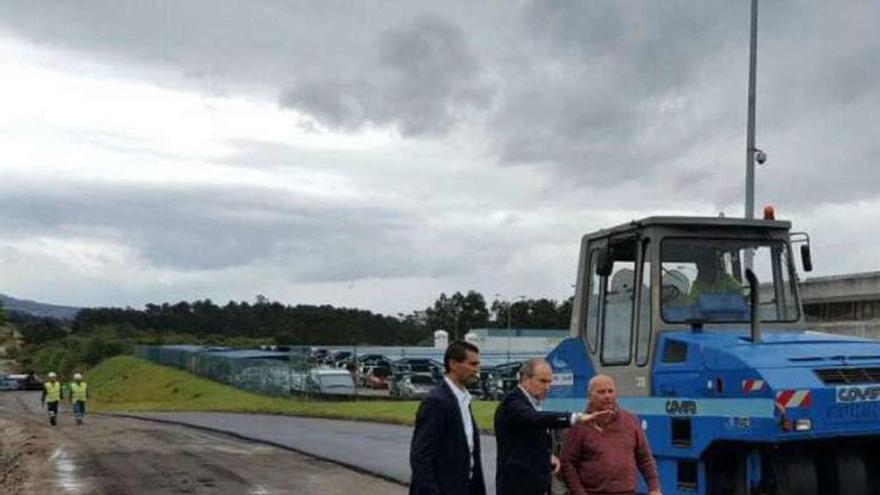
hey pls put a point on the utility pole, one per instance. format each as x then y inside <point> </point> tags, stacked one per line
<point>750,130</point>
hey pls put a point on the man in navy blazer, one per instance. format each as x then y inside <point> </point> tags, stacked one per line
<point>525,456</point>
<point>445,451</point>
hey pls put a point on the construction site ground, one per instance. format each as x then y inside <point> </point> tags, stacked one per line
<point>119,456</point>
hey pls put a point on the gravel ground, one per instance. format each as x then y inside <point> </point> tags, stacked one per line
<point>120,456</point>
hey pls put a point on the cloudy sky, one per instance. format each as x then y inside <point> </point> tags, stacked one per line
<point>374,154</point>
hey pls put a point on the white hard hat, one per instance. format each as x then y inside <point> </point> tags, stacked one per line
<point>77,376</point>
<point>52,374</point>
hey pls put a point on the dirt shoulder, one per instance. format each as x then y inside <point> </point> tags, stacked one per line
<point>24,456</point>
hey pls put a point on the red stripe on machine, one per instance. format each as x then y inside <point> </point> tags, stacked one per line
<point>750,386</point>
<point>794,398</point>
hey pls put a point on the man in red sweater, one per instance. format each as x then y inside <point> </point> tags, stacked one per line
<point>601,458</point>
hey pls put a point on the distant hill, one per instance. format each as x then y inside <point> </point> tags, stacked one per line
<point>38,309</point>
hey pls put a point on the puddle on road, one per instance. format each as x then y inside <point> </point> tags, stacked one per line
<point>259,490</point>
<point>65,471</point>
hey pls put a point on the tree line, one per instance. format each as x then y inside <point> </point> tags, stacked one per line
<point>98,333</point>
<point>289,325</point>
<point>459,313</point>
<point>310,324</point>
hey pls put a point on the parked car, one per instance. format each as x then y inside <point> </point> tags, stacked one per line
<point>319,354</point>
<point>500,379</point>
<point>476,389</point>
<point>30,382</point>
<point>7,383</point>
<point>394,382</point>
<point>419,365</point>
<point>20,382</point>
<point>367,364</point>
<point>415,386</point>
<point>405,368</point>
<point>341,358</point>
<point>331,381</point>
<point>364,360</point>
<point>369,359</point>
<point>377,377</point>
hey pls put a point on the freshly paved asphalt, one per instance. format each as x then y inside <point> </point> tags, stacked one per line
<point>375,448</point>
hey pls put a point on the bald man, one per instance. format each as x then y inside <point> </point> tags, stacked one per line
<point>602,458</point>
<point>525,461</point>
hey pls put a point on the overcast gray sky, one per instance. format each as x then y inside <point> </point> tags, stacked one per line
<point>374,154</point>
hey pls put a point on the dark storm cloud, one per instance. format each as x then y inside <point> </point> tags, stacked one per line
<point>603,74</point>
<point>659,44</point>
<point>655,93</point>
<point>600,93</point>
<point>218,45</point>
<point>209,228</point>
<point>425,77</point>
<point>345,64</point>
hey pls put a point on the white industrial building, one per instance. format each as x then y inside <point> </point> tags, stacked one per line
<point>501,340</point>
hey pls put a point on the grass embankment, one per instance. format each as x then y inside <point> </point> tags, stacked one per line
<point>128,384</point>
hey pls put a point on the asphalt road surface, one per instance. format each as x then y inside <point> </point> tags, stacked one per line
<point>376,448</point>
<point>120,456</point>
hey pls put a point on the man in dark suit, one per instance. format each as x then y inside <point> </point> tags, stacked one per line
<point>445,451</point>
<point>525,457</point>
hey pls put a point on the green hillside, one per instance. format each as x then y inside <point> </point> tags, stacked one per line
<point>127,384</point>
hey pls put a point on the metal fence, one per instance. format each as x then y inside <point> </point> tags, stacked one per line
<point>282,373</point>
<point>488,358</point>
<point>278,375</point>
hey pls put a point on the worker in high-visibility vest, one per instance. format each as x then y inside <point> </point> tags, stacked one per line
<point>79,393</point>
<point>51,397</point>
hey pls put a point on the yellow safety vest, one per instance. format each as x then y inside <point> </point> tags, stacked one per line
<point>78,391</point>
<point>53,391</point>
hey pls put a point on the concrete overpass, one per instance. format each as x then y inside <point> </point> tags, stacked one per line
<point>848,304</point>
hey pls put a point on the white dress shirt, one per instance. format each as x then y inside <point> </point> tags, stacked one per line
<point>464,402</point>
<point>537,405</point>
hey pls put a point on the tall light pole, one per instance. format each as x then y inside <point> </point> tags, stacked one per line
<point>751,151</point>
<point>750,126</point>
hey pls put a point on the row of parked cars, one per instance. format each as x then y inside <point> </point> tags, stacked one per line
<point>413,378</point>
